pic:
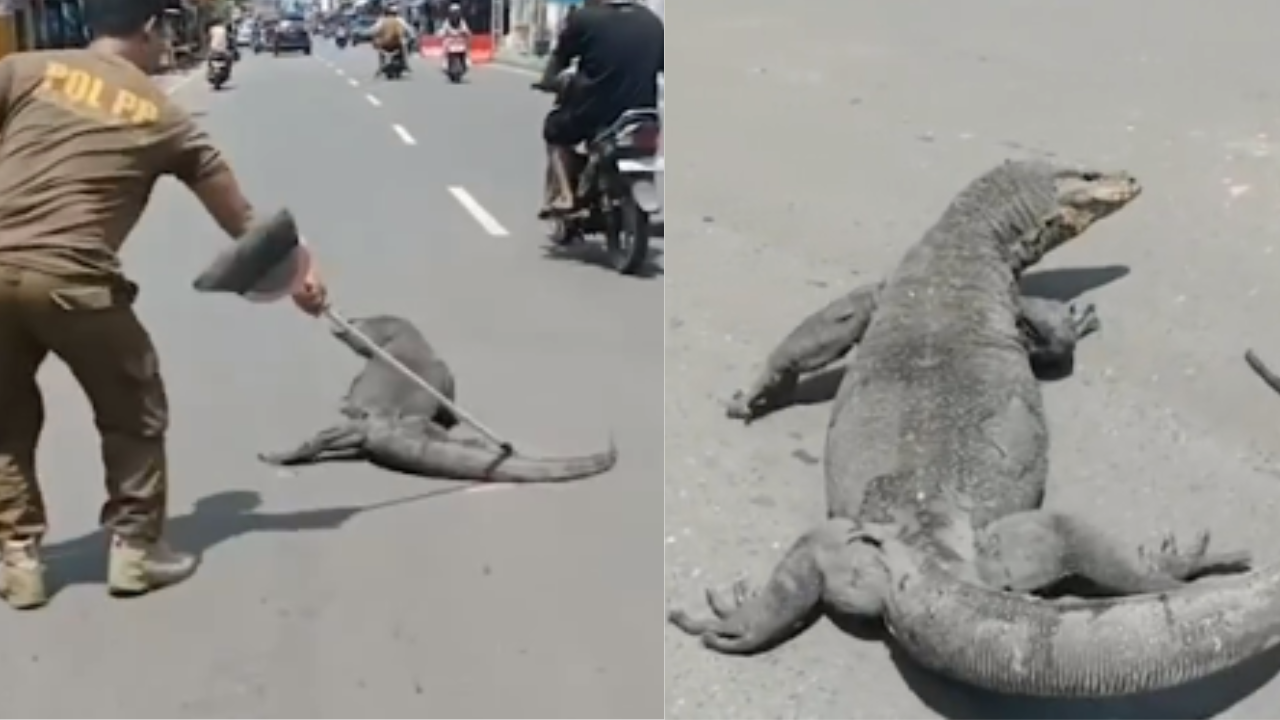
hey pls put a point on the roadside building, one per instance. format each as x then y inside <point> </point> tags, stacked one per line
<point>17,26</point>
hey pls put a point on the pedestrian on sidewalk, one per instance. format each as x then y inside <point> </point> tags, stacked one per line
<point>84,135</point>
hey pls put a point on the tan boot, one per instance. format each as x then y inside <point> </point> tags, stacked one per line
<point>22,575</point>
<point>137,568</point>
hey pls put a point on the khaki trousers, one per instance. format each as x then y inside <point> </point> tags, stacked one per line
<point>93,329</point>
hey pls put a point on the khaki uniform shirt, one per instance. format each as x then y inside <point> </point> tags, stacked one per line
<point>84,135</point>
<point>390,33</point>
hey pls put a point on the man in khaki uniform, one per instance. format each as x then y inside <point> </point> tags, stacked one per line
<point>390,34</point>
<point>84,135</point>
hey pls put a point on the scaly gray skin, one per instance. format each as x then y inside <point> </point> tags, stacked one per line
<point>380,389</point>
<point>395,424</point>
<point>936,466</point>
<point>1050,330</point>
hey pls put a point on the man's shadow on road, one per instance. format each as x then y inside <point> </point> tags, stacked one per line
<point>214,520</point>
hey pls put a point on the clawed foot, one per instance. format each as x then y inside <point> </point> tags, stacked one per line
<point>1084,318</point>
<point>748,405</point>
<point>726,631</point>
<point>1171,561</point>
<point>740,407</point>
<point>272,458</point>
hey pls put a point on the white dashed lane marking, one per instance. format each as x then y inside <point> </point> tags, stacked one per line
<point>404,134</point>
<point>483,217</point>
<point>477,211</point>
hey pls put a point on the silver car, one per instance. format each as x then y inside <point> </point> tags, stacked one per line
<point>244,36</point>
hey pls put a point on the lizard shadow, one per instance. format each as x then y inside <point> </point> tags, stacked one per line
<point>1067,284</point>
<point>1063,284</point>
<point>213,521</point>
<point>1198,700</point>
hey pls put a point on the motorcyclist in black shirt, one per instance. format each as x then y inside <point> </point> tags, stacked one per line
<point>618,46</point>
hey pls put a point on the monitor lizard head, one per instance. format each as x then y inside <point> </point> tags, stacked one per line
<point>1081,197</point>
<point>1078,198</point>
<point>1034,206</point>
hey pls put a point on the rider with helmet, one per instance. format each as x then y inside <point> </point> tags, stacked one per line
<point>454,25</point>
<point>390,34</point>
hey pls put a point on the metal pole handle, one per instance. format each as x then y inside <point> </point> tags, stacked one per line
<point>332,316</point>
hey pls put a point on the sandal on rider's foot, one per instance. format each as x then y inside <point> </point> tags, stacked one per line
<point>553,211</point>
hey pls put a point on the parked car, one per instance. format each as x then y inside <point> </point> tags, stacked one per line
<point>292,36</point>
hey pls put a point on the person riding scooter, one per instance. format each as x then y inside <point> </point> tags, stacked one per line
<point>221,46</point>
<point>454,26</point>
<point>391,34</point>
<point>618,46</point>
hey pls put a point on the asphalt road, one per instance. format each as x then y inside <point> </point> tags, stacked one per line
<point>820,141</point>
<point>344,591</point>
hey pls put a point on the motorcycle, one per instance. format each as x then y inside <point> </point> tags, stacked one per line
<point>616,189</point>
<point>455,53</point>
<point>394,64</point>
<point>219,71</point>
<point>340,37</point>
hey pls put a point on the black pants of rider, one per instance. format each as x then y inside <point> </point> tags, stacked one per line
<point>384,55</point>
<point>223,55</point>
<point>563,129</point>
